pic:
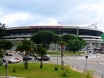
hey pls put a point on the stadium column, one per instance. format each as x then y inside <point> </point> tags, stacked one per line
<point>77,31</point>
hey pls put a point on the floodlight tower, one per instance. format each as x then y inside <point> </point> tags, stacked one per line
<point>93,25</point>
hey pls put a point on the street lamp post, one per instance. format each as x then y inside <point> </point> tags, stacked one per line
<point>61,47</point>
<point>96,46</point>
<point>59,41</point>
<point>6,67</point>
<point>86,62</point>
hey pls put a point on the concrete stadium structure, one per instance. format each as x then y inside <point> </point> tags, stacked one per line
<point>90,35</point>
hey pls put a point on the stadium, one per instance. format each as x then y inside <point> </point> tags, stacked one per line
<point>91,35</point>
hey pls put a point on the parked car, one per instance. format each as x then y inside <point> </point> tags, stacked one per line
<point>45,58</point>
<point>27,58</point>
<point>8,54</point>
<point>14,60</point>
<point>3,60</point>
<point>94,52</point>
<point>90,50</point>
<point>34,55</point>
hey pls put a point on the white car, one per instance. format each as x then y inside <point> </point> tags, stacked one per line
<point>14,60</point>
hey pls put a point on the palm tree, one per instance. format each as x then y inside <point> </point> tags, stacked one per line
<point>25,47</point>
<point>41,52</point>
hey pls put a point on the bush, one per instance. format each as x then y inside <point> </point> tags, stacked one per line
<point>65,71</point>
<point>1,63</point>
<point>14,69</point>
<point>56,68</point>
<point>89,74</point>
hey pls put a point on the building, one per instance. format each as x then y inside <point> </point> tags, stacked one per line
<point>91,35</point>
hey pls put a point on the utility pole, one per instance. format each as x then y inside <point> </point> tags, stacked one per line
<point>59,41</point>
<point>61,46</point>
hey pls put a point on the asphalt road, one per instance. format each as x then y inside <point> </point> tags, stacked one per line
<point>79,62</point>
<point>93,63</point>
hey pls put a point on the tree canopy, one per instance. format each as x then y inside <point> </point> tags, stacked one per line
<point>2,30</point>
<point>67,37</point>
<point>44,37</point>
<point>24,46</point>
<point>6,44</point>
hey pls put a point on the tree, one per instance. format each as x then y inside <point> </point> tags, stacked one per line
<point>56,39</point>
<point>2,34</point>
<point>74,45</point>
<point>62,45</point>
<point>83,43</point>
<point>44,38</point>
<point>67,37</point>
<point>41,51</point>
<point>2,30</point>
<point>26,47</point>
<point>6,44</point>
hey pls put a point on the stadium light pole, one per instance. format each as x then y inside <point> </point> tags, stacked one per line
<point>61,47</point>
<point>59,41</point>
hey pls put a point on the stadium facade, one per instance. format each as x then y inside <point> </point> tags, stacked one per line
<point>91,35</point>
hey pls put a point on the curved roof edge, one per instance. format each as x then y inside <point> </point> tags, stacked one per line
<point>53,26</point>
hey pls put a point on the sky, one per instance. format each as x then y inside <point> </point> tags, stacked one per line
<point>84,13</point>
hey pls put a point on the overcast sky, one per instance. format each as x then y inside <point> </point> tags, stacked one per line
<point>50,12</point>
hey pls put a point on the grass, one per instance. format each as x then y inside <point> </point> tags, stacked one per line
<point>34,71</point>
<point>65,53</point>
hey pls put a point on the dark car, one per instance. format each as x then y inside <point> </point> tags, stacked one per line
<point>45,58</point>
<point>8,54</point>
<point>3,60</point>
<point>34,55</point>
<point>27,58</point>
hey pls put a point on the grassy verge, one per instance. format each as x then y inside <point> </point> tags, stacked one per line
<point>33,71</point>
<point>65,53</point>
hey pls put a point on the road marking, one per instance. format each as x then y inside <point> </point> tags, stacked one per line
<point>102,63</point>
<point>81,66</point>
<point>99,71</point>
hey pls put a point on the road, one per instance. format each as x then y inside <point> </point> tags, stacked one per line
<point>92,63</point>
<point>79,62</point>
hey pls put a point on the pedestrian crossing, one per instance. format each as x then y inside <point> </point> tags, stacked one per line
<point>89,58</point>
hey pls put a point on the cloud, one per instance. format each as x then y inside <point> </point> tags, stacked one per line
<point>11,18</point>
<point>50,21</point>
<point>49,12</point>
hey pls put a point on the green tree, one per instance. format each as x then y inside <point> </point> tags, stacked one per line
<point>56,39</point>
<point>2,30</point>
<point>26,47</point>
<point>74,45</point>
<point>41,51</point>
<point>62,45</point>
<point>83,43</point>
<point>6,44</point>
<point>44,38</point>
<point>67,37</point>
<point>2,34</point>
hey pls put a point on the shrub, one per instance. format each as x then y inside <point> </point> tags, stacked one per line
<point>14,69</point>
<point>89,73</point>
<point>65,71</point>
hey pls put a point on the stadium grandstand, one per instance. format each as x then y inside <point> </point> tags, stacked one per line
<point>91,35</point>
